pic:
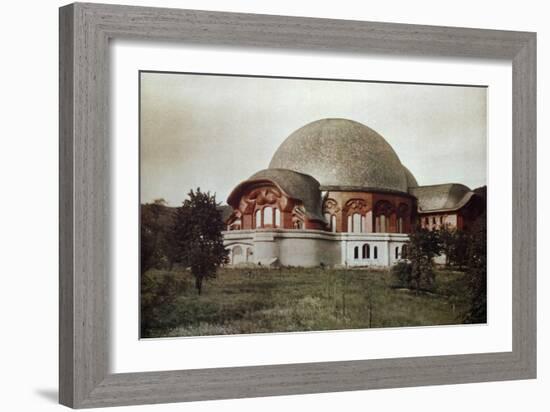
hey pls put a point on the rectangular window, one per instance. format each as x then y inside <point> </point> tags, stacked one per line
<point>277,218</point>
<point>268,216</point>
<point>258,218</point>
<point>356,223</point>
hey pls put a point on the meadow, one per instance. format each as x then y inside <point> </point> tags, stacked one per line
<point>249,300</point>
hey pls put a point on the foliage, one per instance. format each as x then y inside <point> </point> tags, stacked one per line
<point>402,273</point>
<point>454,244</point>
<point>197,238</point>
<point>477,272</point>
<point>422,247</point>
<point>155,222</point>
<point>158,297</point>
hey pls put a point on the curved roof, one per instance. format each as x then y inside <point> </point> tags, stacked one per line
<point>411,180</point>
<point>445,197</point>
<point>342,153</point>
<point>295,185</point>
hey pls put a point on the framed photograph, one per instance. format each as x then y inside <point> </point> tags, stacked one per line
<point>257,205</point>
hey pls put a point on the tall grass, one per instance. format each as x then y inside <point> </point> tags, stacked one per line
<point>297,299</point>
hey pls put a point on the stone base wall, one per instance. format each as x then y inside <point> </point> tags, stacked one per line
<point>309,248</point>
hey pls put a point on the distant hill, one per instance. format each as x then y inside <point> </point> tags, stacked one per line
<point>165,212</point>
<point>226,211</point>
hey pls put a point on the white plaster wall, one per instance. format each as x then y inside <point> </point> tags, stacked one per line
<point>392,246</point>
<point>450,219</point>
<point>308,252</point>
<point>310,248</point>
<point>381,254</point>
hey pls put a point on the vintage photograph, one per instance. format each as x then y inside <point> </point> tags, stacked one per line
<point>276,205</point>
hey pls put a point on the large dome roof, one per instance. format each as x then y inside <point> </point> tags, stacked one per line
<point>342,155</point>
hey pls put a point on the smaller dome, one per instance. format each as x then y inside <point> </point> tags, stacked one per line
<point>443,197</point>
<point>296,185</point>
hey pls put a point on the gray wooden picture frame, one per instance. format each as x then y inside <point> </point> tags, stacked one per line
<point>85,31</point>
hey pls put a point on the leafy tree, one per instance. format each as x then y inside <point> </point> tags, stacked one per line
<point>459,255</point>
<point>197,236</point>
<point>153,234</point>
<point>423,246</point>
<point>477,272</point>
<point>454,244</point>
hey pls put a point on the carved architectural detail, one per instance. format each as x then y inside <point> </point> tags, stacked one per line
<point>259,197</point>
<point>383,207</point>
<point>298,217</point>
<point>356,206</point>
<point>331,206</point>
<point>402,210</point>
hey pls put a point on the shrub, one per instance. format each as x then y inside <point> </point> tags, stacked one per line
<point>159,309</point>
<point>402,274</point>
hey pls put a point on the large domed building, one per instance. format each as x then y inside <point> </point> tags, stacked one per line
<point>336,193</point>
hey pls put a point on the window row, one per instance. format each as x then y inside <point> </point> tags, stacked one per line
<point>267,217</point>
<point>358,223</point>
<point>365,252</point>
<point>435,220</point>
<point>400,252</point>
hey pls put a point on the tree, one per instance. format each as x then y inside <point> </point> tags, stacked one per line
<point>477,272</point>
<point>423,246</point>
<point>454,244</point>
<point>153,234</point>
<point>197,236</point>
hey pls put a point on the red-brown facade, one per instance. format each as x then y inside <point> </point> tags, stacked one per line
<point>461,219</point>
<point>369,212</point>
<point>265,205</point>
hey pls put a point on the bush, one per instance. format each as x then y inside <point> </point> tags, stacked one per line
<point>402,274</point>
<point>159,309</point>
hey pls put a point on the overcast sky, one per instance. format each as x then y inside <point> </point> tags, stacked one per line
<point>215,131</point>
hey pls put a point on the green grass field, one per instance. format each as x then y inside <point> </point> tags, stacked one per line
<point>285,300</point>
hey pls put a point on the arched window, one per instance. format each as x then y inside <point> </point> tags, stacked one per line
<point>356,252</point>
<point>397,252</point>
<point>363,224</point>
<point>404,251</point>
<point>268,216</point>
<point>237,255</point>
<point>426,221</point>
<point>349,224</point>
<point>277,217</point>
<point>366,251</point>
<point>433,220</point>
<point>376,252</point>
<point>382,224</point>
<point>356,223</point>
<point>333,223</point>
<point>258,218</point>
<point>327,218</point>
